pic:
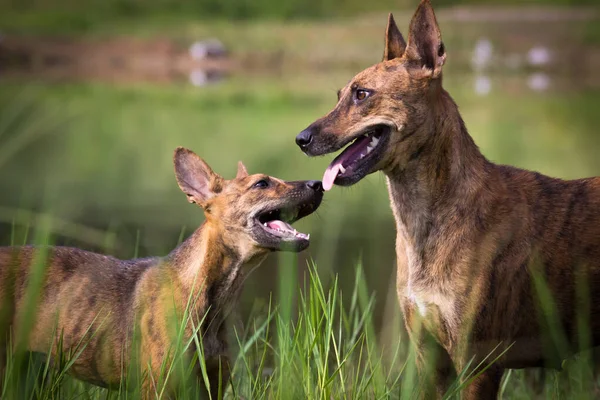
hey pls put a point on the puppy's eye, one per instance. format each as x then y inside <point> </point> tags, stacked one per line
<point>361,94</point>
<point>261,184</point>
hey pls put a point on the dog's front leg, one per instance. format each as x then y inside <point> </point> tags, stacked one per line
<point>434,366</point>
<point>485,386</point>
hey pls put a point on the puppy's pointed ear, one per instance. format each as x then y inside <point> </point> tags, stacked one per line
<point>242,172</point>
<point>425,45</point>
<point>195,178</point>
<point>394,42</point>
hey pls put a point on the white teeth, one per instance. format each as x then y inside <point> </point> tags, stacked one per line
<point>265,224</point>
<point>342,169</point>
<point>369,148</point>
<point>366,135</point>
<point>374,142</point>
<point>362,156</point>
<point>308,237</point>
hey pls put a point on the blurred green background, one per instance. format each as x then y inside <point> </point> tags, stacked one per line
<point>95,95</point>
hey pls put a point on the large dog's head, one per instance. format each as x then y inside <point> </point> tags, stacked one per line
<point>381,110</point>
<point>253,213</point>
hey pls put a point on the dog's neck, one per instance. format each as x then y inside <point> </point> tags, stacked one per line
<point>447,173</point>
<point>210,271</point>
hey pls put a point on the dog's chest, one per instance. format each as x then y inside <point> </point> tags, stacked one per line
<point>418,302</point>
<point>418,289</point>
<point>428,302</point>
<point>422,299</point>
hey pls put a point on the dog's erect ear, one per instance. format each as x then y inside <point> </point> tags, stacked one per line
<point>394,42</point>
<point>425,40</point>
<point>242,172</point>
<point>195,178</point>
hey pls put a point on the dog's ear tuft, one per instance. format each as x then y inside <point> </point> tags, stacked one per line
<point>242,172</point>
<point>394,42</point>
<point>195,177</point>
<point>425,44</point>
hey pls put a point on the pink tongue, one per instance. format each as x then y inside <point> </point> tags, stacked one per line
<point>276,224</point>
<point>330,174</point>
<point>351,153</point>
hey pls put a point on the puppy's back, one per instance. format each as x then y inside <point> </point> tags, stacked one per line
<point>78,292</point>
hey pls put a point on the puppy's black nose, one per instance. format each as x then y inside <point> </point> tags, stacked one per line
<point>304,138</point>
<point>317,186</point>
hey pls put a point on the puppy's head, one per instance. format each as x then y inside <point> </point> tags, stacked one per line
<point>252,211</point>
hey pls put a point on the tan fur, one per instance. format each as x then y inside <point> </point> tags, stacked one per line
<point>472,236</point>
<point>99,300</point>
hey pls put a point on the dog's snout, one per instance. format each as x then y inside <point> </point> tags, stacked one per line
<point>317,186</point>
<point>304,138</point>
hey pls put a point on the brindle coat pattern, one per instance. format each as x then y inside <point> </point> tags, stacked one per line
<point>105,297</point>
<point>473,237</point>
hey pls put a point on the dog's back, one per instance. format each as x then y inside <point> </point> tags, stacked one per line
<point>546,262</point>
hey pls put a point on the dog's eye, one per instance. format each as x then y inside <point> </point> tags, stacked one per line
<point>261,184</point>
<point>361,94</point>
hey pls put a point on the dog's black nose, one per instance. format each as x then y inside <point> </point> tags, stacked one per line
<point>317,186</point>
<point>304,138</point>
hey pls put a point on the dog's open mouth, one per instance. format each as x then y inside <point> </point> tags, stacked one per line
<point>356,160</point>
<point>277,223</point>
<point>272,225</point>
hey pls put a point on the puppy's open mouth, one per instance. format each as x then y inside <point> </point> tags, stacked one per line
<point>277,223</point>
<point>272,225</point>
<point>358,159</point>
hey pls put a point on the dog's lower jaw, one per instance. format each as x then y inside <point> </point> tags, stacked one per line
<point>361,158</point>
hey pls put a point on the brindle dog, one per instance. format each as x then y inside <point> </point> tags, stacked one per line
<point>478,245</point>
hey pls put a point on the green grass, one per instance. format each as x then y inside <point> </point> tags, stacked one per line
<point>324,347</point>
<point>321,345</point>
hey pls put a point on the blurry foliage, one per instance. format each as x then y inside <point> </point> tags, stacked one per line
<point>78,16</point>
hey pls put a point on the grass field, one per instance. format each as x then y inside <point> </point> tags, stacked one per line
<point>324,347</point>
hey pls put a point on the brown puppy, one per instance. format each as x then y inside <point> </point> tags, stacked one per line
<point>96,299</point>
<point>478,244</point>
